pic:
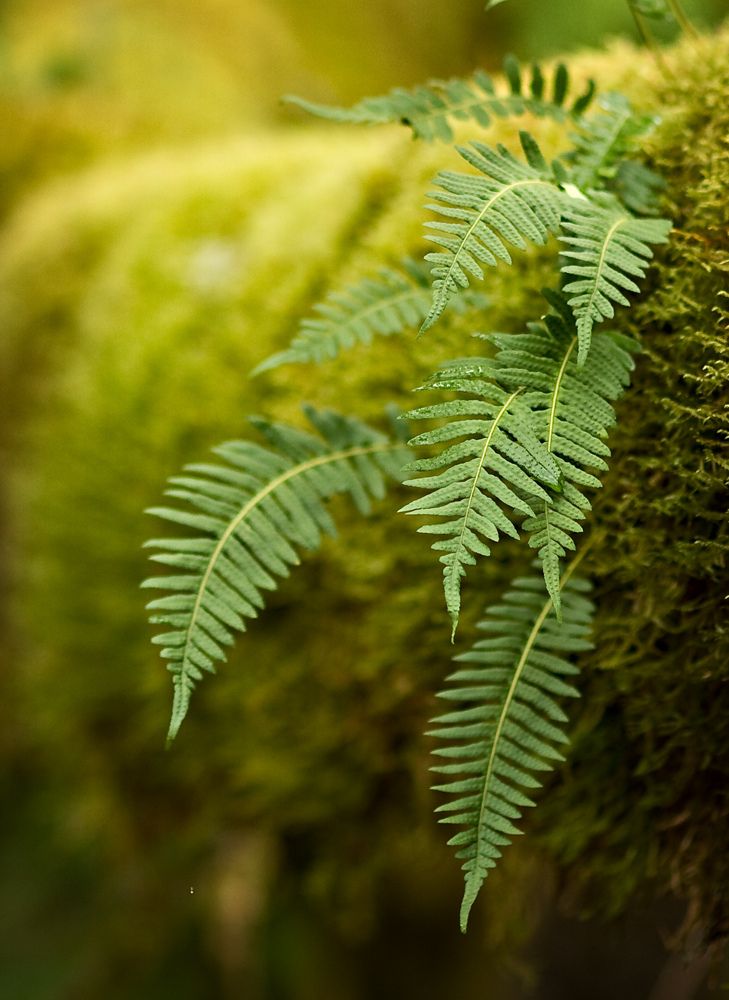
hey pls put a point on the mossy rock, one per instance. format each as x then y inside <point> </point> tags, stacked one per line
<point>134,303</point>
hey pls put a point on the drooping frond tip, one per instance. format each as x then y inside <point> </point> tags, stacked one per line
<point>509,721</point>
<point>492,462</point>
<point>248,516</point>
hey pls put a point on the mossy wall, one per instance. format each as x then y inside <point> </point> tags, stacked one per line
<point>133,303</point>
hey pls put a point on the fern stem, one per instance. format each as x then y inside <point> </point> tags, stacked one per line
<point>650,42</point>
<point>681,17</point>
<point>556,394</point>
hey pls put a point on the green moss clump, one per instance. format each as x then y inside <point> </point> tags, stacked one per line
<point>134,305</point>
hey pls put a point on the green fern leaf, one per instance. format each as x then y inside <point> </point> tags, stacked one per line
<point>607,251</point>
<point>430,110</point>
<point>249,516</point>
<point>509,723</point>
<point>382,306</point>
<point>495,462</point>
<point>511,203</point>
<point>572,413</point>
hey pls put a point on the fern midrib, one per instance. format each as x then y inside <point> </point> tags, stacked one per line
<point>526,182</point>
<point>556,394</point>
<point>512,693</point>
<point>257,499</point>
<point>603,252</point>
<point>487,444</point>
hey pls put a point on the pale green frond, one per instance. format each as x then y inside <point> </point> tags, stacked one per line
<point>509,723</point>
<point>430,110</point>
<point>385,305</point>
<point>477,484</point>
<point>251,514</point>
<point>606,254</point>
<point>509,203</point>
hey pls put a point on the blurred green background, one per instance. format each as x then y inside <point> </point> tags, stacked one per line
<point>141,142</point>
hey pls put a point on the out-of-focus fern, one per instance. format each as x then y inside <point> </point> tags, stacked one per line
<point>606,250</point>
<point>392,302</point>
<point>496,462</point>
<point>509,723</point>
<point>430,110</point>
<point>248,517</point>
<point>604,139</point>
<point>509,203</point>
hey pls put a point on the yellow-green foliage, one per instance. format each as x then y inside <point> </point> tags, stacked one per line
<point>133,304</point>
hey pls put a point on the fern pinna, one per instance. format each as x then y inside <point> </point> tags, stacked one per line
<point>250,515</point>
<point>511,203</point>
<point>495,463</point>
<point>509,723</point>
<point>571,412</point>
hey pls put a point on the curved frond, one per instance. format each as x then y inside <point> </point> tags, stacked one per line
<point>607,251</point>
<point>572,413</point>
<point>430,110</point>
<point>249,515</point>
<point>495,462</point>
<point>509,725</point>
<point>509,203</point>
<point>392,302</point>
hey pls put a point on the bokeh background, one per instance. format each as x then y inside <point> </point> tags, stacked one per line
<point>124,884</point>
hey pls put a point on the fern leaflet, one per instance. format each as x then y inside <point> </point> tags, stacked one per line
<point>249,516</point>
<point>382,306</point>
<point>499,459</point>
<point>572,412</point>
<point>430,110</point>
<point>509,723</point>
<point>511,202</point>
<point>606,250</point>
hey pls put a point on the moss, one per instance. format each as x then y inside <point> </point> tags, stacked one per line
<point>135,302</point>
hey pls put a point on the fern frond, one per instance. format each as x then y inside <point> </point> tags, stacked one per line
<point>637,186</point>
<point>430,110</point>
<point>509,723</point>
<point>606,250</point>
<point>383,306</point>
<point>495,462</point>
<point>604,139</point>
<point>510,202</point>
<point>572,413</point>
<point>250,514</point>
